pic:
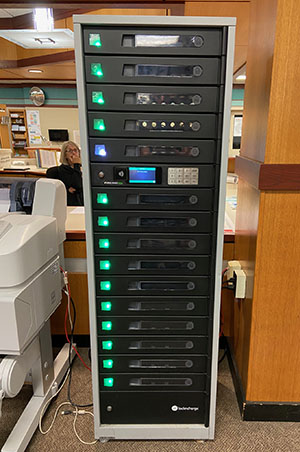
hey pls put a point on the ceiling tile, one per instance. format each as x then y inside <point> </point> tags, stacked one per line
<point>13,12</point>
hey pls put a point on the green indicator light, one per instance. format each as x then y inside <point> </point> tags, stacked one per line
<point>103,243</point>
<point>108,363</point>
<point>96,69</point>
<point>108,382</point>
<point>105,306</point>
<point>103,221</point>
<point>105,285</point>
<point>97,97</point>
<point>107,345</point>
<point>107,326</point>
<point>99,125</point>
<point>102,198</point>
<point>105,265</point>
<point>94,40</point>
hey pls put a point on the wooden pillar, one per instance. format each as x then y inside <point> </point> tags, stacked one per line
<point>4,130</point>
<point>266,338</point>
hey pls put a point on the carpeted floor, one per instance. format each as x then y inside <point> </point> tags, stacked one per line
<point>232,435</point>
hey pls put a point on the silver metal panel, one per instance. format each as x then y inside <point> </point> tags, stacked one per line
<point>75,265</point>
<point>29,419</point>
<point>182,21</point>
<point>154,431</point>
<point>88,221</point>
<point>221,220</point>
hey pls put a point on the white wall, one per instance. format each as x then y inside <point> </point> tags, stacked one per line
<point>58,118</point>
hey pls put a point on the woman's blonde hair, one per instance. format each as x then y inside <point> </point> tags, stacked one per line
<point>64,148</point>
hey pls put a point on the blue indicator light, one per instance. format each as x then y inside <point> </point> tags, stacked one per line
<point>100,150</point>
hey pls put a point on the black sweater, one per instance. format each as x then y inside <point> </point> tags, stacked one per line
<point>71,177</point>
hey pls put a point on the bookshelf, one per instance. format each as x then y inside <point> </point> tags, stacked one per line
<point>18,131</point>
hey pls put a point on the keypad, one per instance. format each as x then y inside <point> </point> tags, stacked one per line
<point>183,176</point>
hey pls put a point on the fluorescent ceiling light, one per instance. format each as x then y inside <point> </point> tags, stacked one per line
<point>37,71</point>
<point>43,19</point>
<point>31,39</point>
<point>241,77</point>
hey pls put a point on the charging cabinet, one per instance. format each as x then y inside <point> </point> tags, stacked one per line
<point>154,104</point>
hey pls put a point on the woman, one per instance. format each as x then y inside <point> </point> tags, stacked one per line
<point>69,172</point>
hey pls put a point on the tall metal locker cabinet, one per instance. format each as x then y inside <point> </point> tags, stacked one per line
<point>154,105</point>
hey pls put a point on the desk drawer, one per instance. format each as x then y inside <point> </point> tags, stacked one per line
<point>128,221</point>
<point>152,285</point>
<point>150,306</point>
<point>152,243</point>
<point>153,326</point>
<point>154,125</point>
<point>151,70</point>
<point>152,265</point>
<point>149,150</point>
<point>105,199</point>
<point>153,41</point>
<point>154,98</point>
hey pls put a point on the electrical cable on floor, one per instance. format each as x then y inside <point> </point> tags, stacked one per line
<point>68,375</point>
<point>74,427</point>
<point>44,432</point>
<point>70,363</point>
<point>68,310</point>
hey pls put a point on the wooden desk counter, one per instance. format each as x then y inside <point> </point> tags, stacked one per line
<point>32,172</point>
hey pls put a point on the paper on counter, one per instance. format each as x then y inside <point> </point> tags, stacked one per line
<point>78,210</point>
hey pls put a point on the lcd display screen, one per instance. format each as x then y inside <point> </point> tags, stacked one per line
<point>142,175</point>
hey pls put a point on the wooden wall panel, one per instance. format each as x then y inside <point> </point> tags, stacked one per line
<point>282,144</point>
<point>75,249</point>
<point>228,251</point>
<point>247,217</point>
<point>31,53</point>
<point>8,50</point>
<point>240,57</point>
<point>79,293</point>
<point>4,130</point>
<point>144,11</point>
<point>240,10</point>
<point>227,299</point>
<point>258,82</point>
<point>274,362</point>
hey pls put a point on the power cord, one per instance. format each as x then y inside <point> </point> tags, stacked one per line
<point>44,432</point>
<point>70,363</point>
<point>68,374</point>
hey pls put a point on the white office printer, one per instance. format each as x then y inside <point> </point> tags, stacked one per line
<point>30,291</point>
